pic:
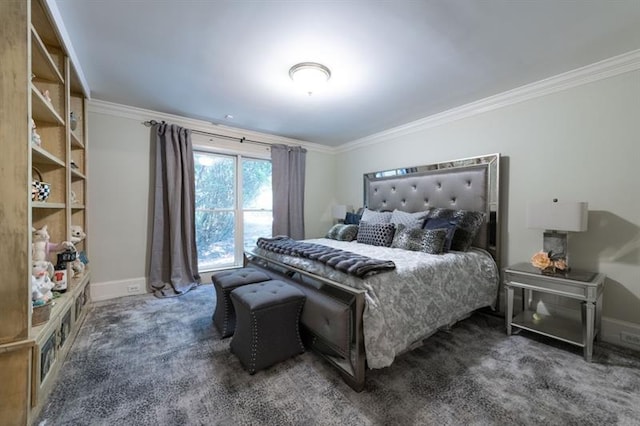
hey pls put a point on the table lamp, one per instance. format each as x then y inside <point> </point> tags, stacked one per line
<point>339,212</point>
<point>557,219</point>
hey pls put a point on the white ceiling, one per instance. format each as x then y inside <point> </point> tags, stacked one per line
<point>392,62</point>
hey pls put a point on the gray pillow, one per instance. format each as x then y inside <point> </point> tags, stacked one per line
<point>410,220</point>
<point>376,234</point>
<point>343,232</point>
<point>468,225</point>
<point>430,241</point>
<point>446,224</point>
<point>373,217</point>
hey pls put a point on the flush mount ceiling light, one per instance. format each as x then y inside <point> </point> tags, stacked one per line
<point>309,75</point>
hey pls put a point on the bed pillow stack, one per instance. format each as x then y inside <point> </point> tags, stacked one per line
<point>468,224</point>
<point>447,225</point>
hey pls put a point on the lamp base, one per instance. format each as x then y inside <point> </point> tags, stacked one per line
<point>555,244</point>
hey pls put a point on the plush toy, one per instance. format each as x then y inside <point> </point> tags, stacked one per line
<point>77,267</point>
<point>77,234</point>
<point>35,137</point>
<point>41,247</point>
<point>41,283</point>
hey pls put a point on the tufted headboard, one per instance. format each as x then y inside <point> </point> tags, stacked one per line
<point>469,184</point>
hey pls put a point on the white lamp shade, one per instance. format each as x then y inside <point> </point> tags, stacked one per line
<point>557,216</point>
<point>339,211</point>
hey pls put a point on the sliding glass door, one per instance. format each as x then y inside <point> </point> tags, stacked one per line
<point>229,220</point>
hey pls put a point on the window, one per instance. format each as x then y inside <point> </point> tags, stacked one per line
<point>229,220</point>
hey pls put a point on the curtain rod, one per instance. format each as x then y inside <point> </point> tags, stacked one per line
<point>242,139</point>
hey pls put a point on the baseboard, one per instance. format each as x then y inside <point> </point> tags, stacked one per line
<point>112,289</point>
<point>621,333</point>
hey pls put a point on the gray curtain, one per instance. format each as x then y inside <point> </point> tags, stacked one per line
<point>287,174</point>
<point>173,264</point>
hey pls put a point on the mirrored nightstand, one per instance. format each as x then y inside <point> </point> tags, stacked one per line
<point>576,284</point>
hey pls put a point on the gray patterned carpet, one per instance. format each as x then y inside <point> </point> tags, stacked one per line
<point>147,361</point>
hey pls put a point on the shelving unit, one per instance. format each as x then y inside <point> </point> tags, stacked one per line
<point>39,85</point>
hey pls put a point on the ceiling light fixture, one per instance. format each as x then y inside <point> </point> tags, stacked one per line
<point>309,75</point>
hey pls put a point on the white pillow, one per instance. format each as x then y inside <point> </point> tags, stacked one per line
<point>373,217</point>
<point>409,220</point>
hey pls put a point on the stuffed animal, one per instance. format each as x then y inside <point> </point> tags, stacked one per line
<point>41,247</point>
<point>77,234</point>
<point>41,283</point>
<point>77,267</point>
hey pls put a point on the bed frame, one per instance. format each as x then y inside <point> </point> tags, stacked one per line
<point>332,316</point>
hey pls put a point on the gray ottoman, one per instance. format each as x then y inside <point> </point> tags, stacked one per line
<point>224,283</point>
<point>267,327</point>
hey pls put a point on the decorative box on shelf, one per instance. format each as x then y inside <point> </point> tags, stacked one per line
<point>41,314</point>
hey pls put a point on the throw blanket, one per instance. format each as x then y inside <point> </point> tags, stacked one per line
<point>344,261</point>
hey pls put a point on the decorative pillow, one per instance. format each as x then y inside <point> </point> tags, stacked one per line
<point>446,224</point>
<point>410,220</point>
<point>352,219</point>
<point>469,223</point>
<point>343,232</point>
<point>376,234</point>
<point>373,217</point>
<point>416,239</point>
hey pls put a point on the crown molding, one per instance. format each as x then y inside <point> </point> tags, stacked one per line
<point>141,114</point>
<point>611,67</point>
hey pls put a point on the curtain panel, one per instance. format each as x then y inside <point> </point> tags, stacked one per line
<point>173,264</point>
<point>288,173</point>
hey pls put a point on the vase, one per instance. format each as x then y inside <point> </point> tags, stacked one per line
<point>73,121</point>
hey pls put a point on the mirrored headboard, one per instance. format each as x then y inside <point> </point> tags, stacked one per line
<point>466,184</point>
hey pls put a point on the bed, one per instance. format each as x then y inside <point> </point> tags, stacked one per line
<point>357,322</point>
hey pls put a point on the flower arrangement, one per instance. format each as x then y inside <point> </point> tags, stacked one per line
<point>547,262</point>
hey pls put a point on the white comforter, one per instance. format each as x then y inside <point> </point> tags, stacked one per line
<point>424,293</point>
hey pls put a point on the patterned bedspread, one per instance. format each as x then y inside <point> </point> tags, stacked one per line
<point>424,293</point>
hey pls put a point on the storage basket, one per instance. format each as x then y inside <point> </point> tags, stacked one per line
<point>41,314</point>
<point>40,191</point>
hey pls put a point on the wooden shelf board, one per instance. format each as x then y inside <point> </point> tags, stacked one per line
<point>40,155</point>
<point>77,207</point>
<point>42,110</point>
<point>560,328</point>
<point>76,175</point>
<point>42,65</point>
<point>75,141</point>
<point>45,205</point>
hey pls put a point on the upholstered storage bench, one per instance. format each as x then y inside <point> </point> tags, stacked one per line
<point>326,319</point>
<point>224,283</point>
<point>267,323</point>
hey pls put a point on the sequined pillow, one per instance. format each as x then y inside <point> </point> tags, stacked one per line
<point>430,241</point>
<point>343,232</point>
<point>376,234</point>
<point>468,225</point>
<point>446,224</point>
<point>372,217</point>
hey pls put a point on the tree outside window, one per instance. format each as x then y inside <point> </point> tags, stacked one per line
<point>229,221</point>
